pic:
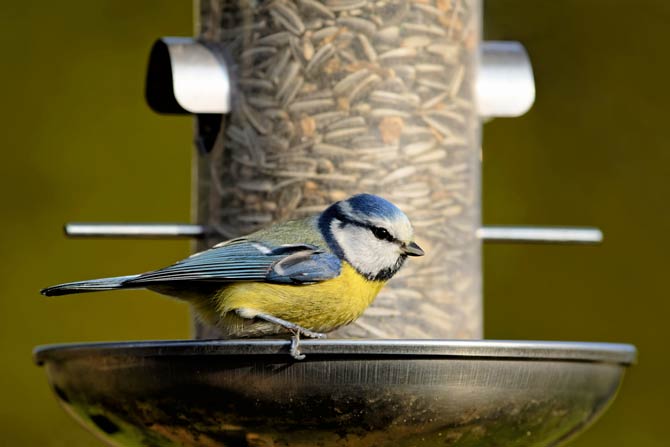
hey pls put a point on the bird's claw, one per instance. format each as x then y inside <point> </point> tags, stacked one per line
<point>295,347</point>
<point>295,341</point>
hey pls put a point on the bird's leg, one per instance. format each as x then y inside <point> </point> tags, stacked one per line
<point>295,329</point>
<point>287,325</point>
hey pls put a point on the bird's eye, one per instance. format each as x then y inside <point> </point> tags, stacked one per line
<point>381,233</point>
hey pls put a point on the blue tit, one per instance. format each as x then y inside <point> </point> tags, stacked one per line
<point>301,277</point>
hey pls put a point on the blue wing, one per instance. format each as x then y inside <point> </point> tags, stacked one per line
<point>247,260</point>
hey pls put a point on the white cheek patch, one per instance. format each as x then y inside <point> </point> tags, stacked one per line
<point>363,250</point>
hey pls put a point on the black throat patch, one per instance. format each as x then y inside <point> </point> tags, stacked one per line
<point>388,272</point>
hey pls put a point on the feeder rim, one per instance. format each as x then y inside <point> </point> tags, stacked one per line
<point>590,352</point>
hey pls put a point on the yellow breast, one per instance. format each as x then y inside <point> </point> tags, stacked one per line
<point>320,307</point>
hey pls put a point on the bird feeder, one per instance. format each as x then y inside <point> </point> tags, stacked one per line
<point>299,104</point>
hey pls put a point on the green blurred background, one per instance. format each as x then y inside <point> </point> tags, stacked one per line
<point>79,143</point>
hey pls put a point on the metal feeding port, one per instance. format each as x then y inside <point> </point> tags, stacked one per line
<point>299,104</point>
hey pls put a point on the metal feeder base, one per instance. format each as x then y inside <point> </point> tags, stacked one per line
<point>369,393</point>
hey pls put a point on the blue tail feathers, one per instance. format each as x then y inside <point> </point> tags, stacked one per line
<point>93,285</point>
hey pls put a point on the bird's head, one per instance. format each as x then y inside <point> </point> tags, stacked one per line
<point>371,234</point>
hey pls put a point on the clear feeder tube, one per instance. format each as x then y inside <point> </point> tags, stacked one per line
<point>337,97</point>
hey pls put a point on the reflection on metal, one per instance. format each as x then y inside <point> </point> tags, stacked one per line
<point>185,76</point>
<point>540,235</point>
<point>133,230</point>
<point>505,84</point>
<point>548,235</point>
<point>346,393</point>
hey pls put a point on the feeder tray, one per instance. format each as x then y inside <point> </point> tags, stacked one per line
<point>397,393</point>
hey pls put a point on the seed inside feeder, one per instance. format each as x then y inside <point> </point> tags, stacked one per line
<point>339,97</point>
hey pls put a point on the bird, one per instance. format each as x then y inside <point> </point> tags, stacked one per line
<point>300,277</point>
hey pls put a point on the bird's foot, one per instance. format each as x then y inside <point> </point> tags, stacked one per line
<point>295,341</point>
<point>311,334</point>
<point>295,329</point>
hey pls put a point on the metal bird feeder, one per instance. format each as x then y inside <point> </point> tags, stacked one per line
<point>299,104</point>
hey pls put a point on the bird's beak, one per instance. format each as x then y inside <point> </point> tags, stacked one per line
<point>412,249</point>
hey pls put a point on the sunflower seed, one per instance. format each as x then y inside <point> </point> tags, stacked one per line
<point>435,124</point>
<point>395,99</point>
<point>317,7</point>
<point>362,86</point>
<point>410,28</point>
<point>347,122</point>
<point>277,71</point>
<point>389,35</point>
<point>289,78</point>
<point>257,52</point>
<point>349,81</point>
<point>307,48</point>
<point>286,17</point>
<point>430,68</point>
<point>325,118</point>
<point>276,39</point>
<point>435,100</point>
<point>448,52</point>
<point>344,134</point>
<point>324,33</point>
<point>321,56</point>
<point>315,24</point>
<point>433,84</point>
<point>398,53</point>
<point>419,147</point>
<point>358,166</point>
<point>262,101</point>
<point>347,55</point>
<point>384,112</point>
<point>330,150</point>
<point>254,118</point>
<point>415,42</point>
<point>311,105</point>
<point>256,185</point>
<point>292,91</point>
<point>367,48</point>
<point>457,81</point>
<point>358,24</point>
<point>431,156</point>
<point>399,174</point>
<point>260,84</point>
<point>344,5</point>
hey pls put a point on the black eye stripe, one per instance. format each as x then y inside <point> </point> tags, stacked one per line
<point>382,233</point>
<point>379,232</point>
